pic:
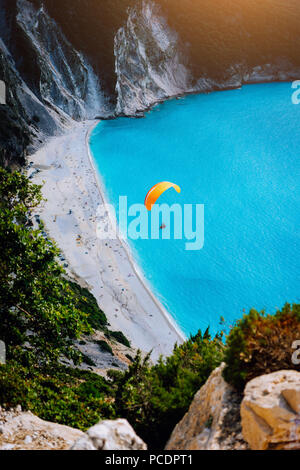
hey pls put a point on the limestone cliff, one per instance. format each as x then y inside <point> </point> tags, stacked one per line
<point>46,87</point>
<point>77,59</point>
<point>265,417</point>
<point>213,420</point>
<point>150,66</point>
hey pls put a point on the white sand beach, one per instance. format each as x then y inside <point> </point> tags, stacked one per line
<point>73,192</point>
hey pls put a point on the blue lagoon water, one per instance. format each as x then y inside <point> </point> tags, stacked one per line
<point>236,152</point>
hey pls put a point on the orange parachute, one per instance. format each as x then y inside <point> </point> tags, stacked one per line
<point>157,191</point>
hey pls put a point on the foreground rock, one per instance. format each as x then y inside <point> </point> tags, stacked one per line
<point>24,431</point>
<point>213,420</point>
<point>271,411</point>
<point>110,435</point>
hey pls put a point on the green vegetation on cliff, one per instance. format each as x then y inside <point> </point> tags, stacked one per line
<point>260,344</point>
<point>86,302</point>
<point>39,316</point>
<point>152,398</point>
<point>58,394</point>
<point>41,312</point>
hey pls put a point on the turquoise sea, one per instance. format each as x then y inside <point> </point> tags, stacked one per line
<point>237,152</point>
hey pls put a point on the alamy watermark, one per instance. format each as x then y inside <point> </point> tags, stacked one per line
<point>163,222</point>
<point>296,94</point>
<point>2,92</point>
<point>296,354</point>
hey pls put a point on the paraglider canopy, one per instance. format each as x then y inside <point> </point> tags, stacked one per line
<point>157,191</point>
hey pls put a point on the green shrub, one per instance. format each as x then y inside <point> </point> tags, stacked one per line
<point>260,344</point>
<point>88,361</point>
<point>34,295</point>
<point>119,337</point>
<point>154,399</point>
<point>66,396</point>
<point>86,302</point>
<point>104,346</point>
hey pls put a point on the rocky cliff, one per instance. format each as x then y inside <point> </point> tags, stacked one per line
<point>213,421</point>
<point>150,66</point>
<point>163,51</point>
<point>84,58</point>
<point>270,411</point>
<point>264,417</point>
<point>48,82</point>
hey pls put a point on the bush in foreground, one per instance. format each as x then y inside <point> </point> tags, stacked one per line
<point>155,398</point>
<point>41,312</point>
<point>62,395</point>
<point>260,344</point>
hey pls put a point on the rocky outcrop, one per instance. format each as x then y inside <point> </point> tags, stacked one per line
<point>110,435</point>
<point>53,55</point>
<point>162,52</point>
<point>271,411</point>
<point>149,64</point>
<point>24,431</point>
<point>23,119</point>
<point>48,83</point>
<point>213,420</point>
<point>67,83</point>
<point>267,417</point>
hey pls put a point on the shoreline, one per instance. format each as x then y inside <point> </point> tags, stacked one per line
<point>125,245</point>
<point>74,190</point>
<point>140,113</point>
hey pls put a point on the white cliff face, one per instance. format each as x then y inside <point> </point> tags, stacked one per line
<point>149,64</point>
<point>25,119</point>
<point>152,64</point>
<point>68,84</point>
<point>41,102</point>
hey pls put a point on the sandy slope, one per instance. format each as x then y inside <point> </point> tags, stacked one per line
<point>107,267</point>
